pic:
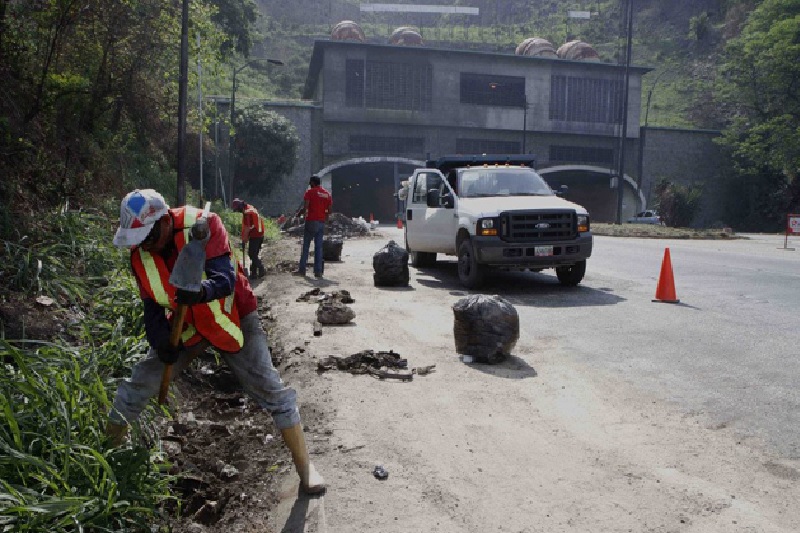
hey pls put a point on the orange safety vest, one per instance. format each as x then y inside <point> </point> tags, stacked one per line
<point>251,213</point>
<point>218,320</point>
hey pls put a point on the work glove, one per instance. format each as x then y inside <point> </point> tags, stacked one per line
<point>168,353</point>
<point>185,297</point>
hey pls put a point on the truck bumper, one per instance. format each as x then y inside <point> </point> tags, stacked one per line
<point>494,252</point>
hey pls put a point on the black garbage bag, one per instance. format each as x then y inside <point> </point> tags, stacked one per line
<point>486,327</point>
<point>391,266</point>
<point>332,248</point>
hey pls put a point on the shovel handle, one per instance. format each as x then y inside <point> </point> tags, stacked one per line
<point>174,339</point>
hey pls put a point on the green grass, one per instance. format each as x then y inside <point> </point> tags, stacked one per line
<point>651,231</point>
<point>57,472</point>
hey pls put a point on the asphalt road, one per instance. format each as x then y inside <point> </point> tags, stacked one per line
<point>730,350</point>
<point>612,414</point>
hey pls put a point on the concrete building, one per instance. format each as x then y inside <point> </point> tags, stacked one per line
<point>371,113</point>
<point>385,109</point>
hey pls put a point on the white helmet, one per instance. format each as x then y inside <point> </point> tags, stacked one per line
<point>138,212</point>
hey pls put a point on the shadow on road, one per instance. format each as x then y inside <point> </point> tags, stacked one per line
<point>512,368</point>
<point>530,289</point>
<point>305,511</point>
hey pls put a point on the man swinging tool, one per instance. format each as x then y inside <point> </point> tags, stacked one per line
<point>221,313</point>
<point>252,234</point>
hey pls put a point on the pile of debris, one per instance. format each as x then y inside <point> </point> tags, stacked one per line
<point>317,295</point>
<point>379,364</point>
<point>338,225</point>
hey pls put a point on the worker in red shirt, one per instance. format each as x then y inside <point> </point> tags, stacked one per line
<point>252,235</point>
<point>221,314</point>
<point>317,203</point>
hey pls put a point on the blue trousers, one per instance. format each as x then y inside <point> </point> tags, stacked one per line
<point>314,230</point>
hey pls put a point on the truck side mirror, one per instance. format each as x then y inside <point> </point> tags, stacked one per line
<point>562,191</point>
<point>448,201</point>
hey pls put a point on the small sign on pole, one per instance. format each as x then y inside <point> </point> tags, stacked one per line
<point>792,228</point>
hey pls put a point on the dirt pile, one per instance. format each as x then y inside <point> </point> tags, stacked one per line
<point>337,225</point>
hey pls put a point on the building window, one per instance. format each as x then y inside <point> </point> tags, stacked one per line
<point>581,154</point>
<point>486,146</point>
<point>423,184</point>
<point>486,89</point>
<point>386,145</point>
<point>388,85</point>
<point>585,100</point>
<point>354,83</point>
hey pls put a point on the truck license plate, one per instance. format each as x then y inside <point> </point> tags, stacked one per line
<point>543,251</point>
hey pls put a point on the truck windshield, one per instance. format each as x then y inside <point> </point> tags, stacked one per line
<point>501,181</point>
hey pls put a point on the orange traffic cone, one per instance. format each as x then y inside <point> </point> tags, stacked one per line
<point>665,290</point>
<point>399,223</point>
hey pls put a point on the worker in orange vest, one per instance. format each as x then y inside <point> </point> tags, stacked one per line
<point>222,314</point>
<point>252,233</point>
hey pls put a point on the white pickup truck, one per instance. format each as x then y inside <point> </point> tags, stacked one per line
<point>493,211</point>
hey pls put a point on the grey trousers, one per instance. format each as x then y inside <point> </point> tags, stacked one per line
<point>252,366</point>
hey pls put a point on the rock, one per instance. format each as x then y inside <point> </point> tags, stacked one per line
<point>334,313</point>
<point>486,327</point>
<point>391,266</point>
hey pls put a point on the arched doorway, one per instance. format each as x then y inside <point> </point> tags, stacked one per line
<point>589,186</point>
<point>368,186</point>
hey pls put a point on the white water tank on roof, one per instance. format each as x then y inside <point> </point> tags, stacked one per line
<point>347,30</point>
<point>536,46</point>
<point>577,50</point>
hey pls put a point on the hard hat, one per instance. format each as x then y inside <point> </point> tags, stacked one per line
<point>138,212</point>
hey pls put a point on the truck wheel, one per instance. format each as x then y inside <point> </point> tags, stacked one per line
<point>420,259</point>
<point>470,272</point>
<point>569,276</point>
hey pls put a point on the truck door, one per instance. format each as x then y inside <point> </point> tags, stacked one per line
<point>425,229</point>
<point>417,231</point>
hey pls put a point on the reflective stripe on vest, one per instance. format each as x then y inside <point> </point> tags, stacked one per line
<point>215,321</point>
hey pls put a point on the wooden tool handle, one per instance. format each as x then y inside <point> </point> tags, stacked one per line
<point>174,340</point>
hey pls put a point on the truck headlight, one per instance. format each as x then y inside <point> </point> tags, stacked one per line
<point>487,227</point>
<point>583,223</point>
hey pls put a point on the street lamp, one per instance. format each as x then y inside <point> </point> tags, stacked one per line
<point>650,94</point>
<point>624,110</point>
<point>231,149</point>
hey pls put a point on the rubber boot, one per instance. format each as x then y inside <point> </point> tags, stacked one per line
<point>310,480</point>
<point>116,433</point>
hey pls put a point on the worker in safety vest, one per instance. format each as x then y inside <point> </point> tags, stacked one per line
<point>252,233</point>
<point>222,314</point>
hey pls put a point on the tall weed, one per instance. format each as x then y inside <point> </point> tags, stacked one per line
<point>57,472</point>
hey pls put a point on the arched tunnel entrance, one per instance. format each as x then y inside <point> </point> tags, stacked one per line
<point>367,186</point>
<point>590,187</point>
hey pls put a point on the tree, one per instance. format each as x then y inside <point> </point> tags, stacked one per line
<point>266,149</point>
<point>760,84</point>
<point>677,203</point>
<point>237,19</point>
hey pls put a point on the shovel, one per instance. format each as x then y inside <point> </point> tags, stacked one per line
<point>187,274</point>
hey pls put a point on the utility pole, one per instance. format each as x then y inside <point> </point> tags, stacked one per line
<point>625,83</point>
<point>524,122</point>
<point>182,91</point>
<point>200,110</point>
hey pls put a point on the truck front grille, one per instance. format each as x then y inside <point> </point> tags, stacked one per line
<point>537,226</point>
